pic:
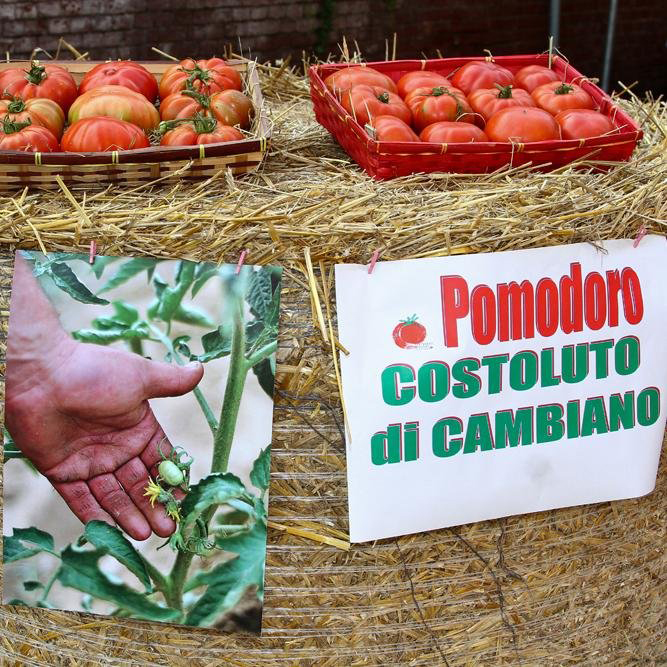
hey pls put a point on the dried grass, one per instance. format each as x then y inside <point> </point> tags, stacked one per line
<point>581,585</point>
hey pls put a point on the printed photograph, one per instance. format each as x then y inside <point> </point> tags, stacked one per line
<point>138,419</point>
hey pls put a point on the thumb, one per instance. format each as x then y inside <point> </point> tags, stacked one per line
<point>162,379</point>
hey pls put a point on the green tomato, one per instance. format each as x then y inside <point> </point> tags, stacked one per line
<point>171,473</point>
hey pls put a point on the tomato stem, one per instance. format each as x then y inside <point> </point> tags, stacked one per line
<point>17,105</point>
<point>37,73</point>
<point>563,89</point>
<point>11,127</point>
<point>204,100</point>
<point>384,98</point>
<point>504,92</point>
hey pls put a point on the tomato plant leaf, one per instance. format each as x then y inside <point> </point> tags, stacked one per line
<point>138,331</point>
<point>32,585</point>
<point>42,267</point>
<point>171,296</point>
<point>10,450</point>
<point>203,272</point>
<point>24,543</point>
<point>227,582</point>
<point>259,292</point>
<point>216,344</point>
<point>128,270</point>
<point>110,540</point>
<point>192,316</point>
<point>13,550</point>
<point>264,371</point>
<point>100,263</point>
<point>39,538</point>
<point>125,312</point>
<point>261,469</point>
<point>16,602</point>
<point>216,489</point>
<point>80,570</point>
<point>66,280</point>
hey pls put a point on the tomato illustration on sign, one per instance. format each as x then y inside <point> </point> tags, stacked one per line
<point>409,332</point>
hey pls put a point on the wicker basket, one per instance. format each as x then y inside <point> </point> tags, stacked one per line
<point>133,167</point>
<point>389,159</point>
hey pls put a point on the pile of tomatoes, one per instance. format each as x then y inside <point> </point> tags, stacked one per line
<point>119,105</point>
<point>480,101</point>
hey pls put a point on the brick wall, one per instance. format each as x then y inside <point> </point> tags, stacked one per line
<point>272,29</point>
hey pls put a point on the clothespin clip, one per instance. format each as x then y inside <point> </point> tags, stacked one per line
<point>640,235</point>
<point>374,259</point>
<point>93,250</point>
<point>241,260</point>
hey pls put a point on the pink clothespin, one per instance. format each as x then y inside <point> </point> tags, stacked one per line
<point>93,250</point>
<point>374,259</point>
<point>640,235</point>
<point>241,260</point>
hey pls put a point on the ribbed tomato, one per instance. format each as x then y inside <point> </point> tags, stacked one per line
<point>115,102</point>
<point>521,125</point>
<point>448,132</point>
<point>39,110</point>
<point>26,137</point>
<point>583,123</point>
<point>366,102</point>
<point>101,134</point>
<point>391,128</point>
<point>50,81</point>
<point>230,107</point>
<point>420,79</point>
<point>480,74</point>
<point>486,101</point>
<point>344,79</point>
<point>555,97</point>
<point>432,105</point>
<point>532,76</point>
<point>202,130</point>
<point>205,76</point>
<point>121,73</point>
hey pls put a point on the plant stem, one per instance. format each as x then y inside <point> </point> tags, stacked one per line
<point>161,582</point>
<point>136,347</point>
<point>49,585</point>
<point>206,409</point>
<point>262,353</point>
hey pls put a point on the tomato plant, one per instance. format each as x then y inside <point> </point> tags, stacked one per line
<point>431,105</point>
<point>555,97</point>
<point>452,132</point>
<point>365,102</point>
<point>409,332</point>
<point>583,123</point>
<point>121,73</point>
<point>26,137</point>
<point>221,521</point>
<point>391,128</point>
<point>198,130</point>
<point>205,76</point>
<point>38,110</point>
<point>480,74</point>
<point>522,124</point>
<point>343,79</point>
<point>101,134</point>
<point>115,102</point>
<point>486,101</point>
<point>532,76</point>
<point>420,79</point>
<point>50,81</point>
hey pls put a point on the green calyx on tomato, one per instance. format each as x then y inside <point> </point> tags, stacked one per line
<point>384,98</point>
<point>37,73</point>
<point>11,127</point>
<point>17,105</point>
<point>563,89</point>
<point>202,124</point>
<point>441,90</point>
<point>504,92</point>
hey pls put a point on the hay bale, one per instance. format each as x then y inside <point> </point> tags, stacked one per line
<point>581,585</point>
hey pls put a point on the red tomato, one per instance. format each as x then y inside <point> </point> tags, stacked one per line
<point>344,79</point>
<point>486,101</point>
<point>121,73</point>
<point>420,79</point>
<point>39,110</point>
<point>532,76</point>
<point>205,76</point>
<point>115,102</point>
<point>391,128</point>
<point>409,332</point>
<point>447,132</point>
<point>366,102</point>
<point>26,137</point>
<point>583,123</point>
<point>555,97</point>
<point>522,124</point>
<point>50,81</point>
<point>431,105</point>
<point>202,130</point>
<point>100,134</point>
<point>230,107</point>
<point>480,74</point>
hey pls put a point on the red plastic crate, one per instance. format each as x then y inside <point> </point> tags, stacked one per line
<point>389,159</point>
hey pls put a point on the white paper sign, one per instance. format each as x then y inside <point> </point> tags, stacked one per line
<point>481,386</point>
